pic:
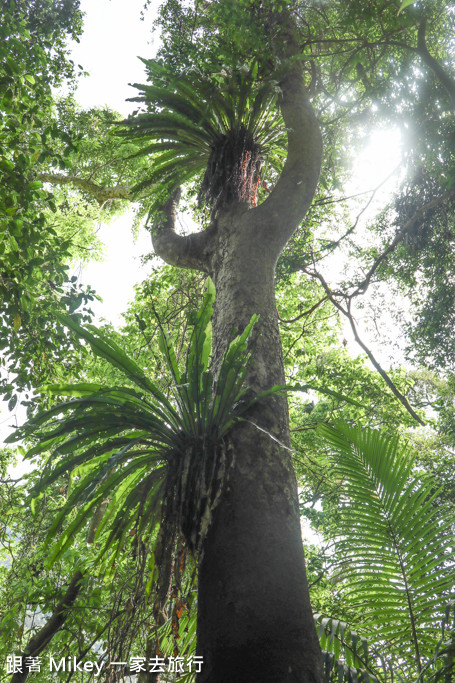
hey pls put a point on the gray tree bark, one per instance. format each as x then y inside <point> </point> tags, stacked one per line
<point>254,616</point>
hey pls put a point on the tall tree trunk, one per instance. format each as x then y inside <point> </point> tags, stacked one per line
<point>255,621</point>
<point>254,617</point>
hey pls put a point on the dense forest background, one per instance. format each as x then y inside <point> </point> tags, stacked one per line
<point>84,569</point>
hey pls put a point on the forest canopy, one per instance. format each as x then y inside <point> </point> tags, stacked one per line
<point>287,363</point>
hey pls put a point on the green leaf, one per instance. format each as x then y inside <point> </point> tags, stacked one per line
<point>406,3</point>
<point>35,185</point>
<point>114,355</point>
<point>167,350</point>
<point>394,543</point>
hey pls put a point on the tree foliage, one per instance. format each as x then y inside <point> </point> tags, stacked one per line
<point>210,120</point>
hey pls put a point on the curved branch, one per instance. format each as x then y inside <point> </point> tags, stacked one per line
<point>347,312</point>
<point>101,194</point>
<point>297,183</point>
<point>395,391</point>
<point>305,313</point>
<point>184,251</point>
<point>447,81</point>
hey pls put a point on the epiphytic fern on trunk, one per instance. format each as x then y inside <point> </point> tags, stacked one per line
<point>225,130</point>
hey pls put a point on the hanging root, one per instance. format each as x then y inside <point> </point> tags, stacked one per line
<point>195,483</point>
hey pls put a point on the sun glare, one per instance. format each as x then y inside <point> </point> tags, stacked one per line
<point>377,161</point>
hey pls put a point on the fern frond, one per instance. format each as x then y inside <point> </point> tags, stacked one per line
<point>225,127</point>
<point>393,546</point>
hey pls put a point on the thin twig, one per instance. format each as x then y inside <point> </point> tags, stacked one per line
<point>363,286</point>
<point>347,313</point>
<point>305,313</point>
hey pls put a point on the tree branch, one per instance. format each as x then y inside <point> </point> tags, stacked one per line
<point>189,251</point>
<point>50,628</point>
<point>305,313</point>
<point>297,183</point>
<point>101,194</point>
<point>447,81</point>
<point>347,312</point>
<point>363,286</point>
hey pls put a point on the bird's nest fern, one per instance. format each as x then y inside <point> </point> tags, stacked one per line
<point>148,460</point>
<point>224,130</point>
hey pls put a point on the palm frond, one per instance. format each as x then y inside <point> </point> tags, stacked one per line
<point>393,546</point>
<point>345,654</point>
